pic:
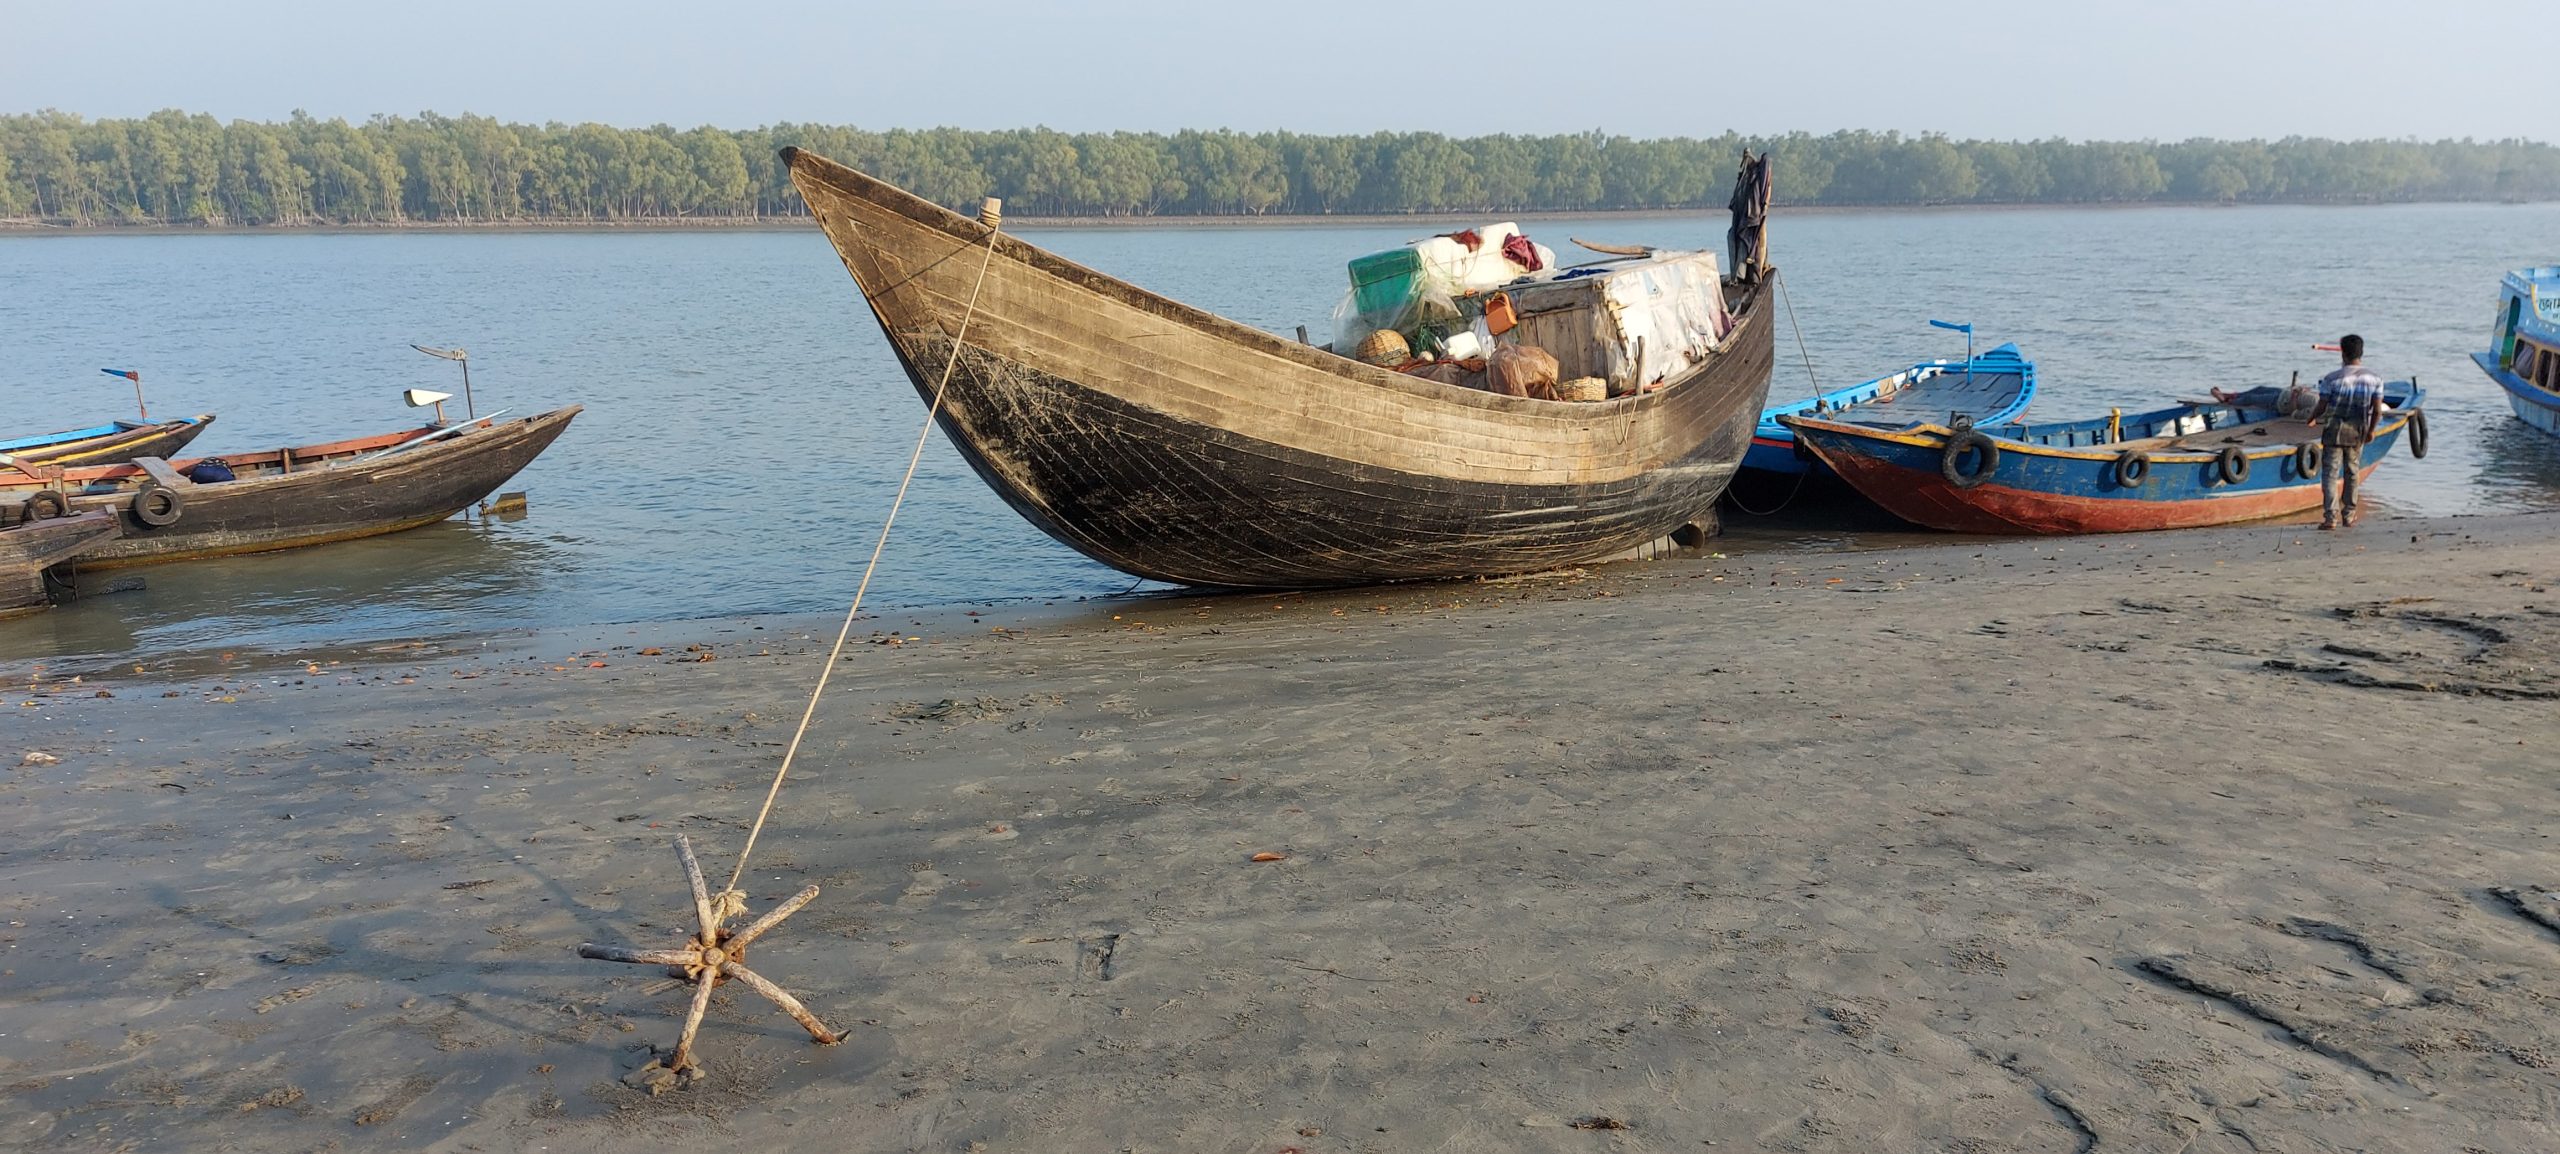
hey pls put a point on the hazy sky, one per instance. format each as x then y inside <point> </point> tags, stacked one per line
<point>2114,69</point>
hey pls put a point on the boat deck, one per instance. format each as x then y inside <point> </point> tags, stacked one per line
<point>2252,435</point>
<point>1935,399</point>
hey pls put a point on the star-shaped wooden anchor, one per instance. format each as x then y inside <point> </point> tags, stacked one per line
<point>710,957</point>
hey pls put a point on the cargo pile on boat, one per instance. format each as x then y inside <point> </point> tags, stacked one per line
<point>1488,308</point>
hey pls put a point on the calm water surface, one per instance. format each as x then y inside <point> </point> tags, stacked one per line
<point>746,422</point>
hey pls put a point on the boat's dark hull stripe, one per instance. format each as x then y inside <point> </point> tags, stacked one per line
<point>255,515</point>
<point>1176,500</point>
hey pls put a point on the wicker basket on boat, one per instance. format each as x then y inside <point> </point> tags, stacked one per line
<point>1385,347</point>
<point>1583,389</point>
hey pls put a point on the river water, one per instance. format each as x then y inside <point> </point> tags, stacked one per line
<point>746,423</point>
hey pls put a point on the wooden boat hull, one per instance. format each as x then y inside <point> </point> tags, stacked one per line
<point>2044,490</point>
<point>115,441</point>
<point>27,550</point>
<point>1177,445</point>
<point>2533,404</point>
<point>336,497</point>
<point>2007,386</point>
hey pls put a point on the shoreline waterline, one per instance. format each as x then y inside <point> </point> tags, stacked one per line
<point>1024,222</point>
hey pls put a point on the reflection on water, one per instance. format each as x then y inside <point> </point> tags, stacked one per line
<point>746,423</point>
<point>2519,468</point>
<point>449,577</point>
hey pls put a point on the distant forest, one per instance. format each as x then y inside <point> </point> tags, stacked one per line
<point>174,168</point>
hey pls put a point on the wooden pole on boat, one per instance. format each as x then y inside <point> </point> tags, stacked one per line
<point>134,375</point>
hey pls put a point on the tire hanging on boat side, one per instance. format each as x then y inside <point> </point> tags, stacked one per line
<point>2306,460</point>
<point>2231,465</point>
<point>45,504</point>
<point>1986,458</point>
<point>2132,465</point>
<point>2418,434</point>
<point>158,506</point>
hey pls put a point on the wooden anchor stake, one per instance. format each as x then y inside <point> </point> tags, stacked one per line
<point>709,957</point>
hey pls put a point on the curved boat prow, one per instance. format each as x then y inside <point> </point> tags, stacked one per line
<point>1172,443</point>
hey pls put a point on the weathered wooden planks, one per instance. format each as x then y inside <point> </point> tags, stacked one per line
<point>1175,444</point>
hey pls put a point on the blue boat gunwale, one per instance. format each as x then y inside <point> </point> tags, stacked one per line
<point>2402,399</point>
<point>111,428</point>
<point>2006,358</point>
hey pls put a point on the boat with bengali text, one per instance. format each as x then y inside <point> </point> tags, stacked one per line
<point>1174,444</point>
<point>289,497</point>
<point>29,549</point>
<point>2524,356</point>
<point>2196,464</point>
<point>114,441</point>
<point>1991,389</point>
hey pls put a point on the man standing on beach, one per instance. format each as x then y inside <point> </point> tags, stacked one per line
<point>2350,406</point>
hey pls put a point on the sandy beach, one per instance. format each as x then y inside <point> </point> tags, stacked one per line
<point>2221,841</point>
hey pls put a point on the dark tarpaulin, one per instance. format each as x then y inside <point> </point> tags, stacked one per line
<point>1748,237</point>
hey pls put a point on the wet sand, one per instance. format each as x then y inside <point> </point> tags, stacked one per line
<point>2218,841</point>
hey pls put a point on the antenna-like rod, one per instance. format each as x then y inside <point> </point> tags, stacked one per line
<point>463,358</point>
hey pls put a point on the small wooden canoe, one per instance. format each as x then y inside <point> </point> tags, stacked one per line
<point>1175,444</point>
<point>27,550</point>
<point>2197,464</point>
<point>99,444</point>
<point>1992,389</point>
<point>310,495</point>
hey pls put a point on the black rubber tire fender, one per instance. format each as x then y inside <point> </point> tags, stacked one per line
<point>2132,466</point>
<point>158,506</point>
<point>2231,465</point>
<point>2306,460</point>
<point>1986,458</point>
<point>44,504</point>
<point>2418,434</point>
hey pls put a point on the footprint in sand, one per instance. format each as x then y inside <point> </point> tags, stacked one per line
<point>922,888</point>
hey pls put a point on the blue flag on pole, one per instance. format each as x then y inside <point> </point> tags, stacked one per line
<point>129,374</point>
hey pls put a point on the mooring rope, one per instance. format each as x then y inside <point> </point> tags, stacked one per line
<point>1790,300</point>
<point>1790,498</point>
<point>732,900</point>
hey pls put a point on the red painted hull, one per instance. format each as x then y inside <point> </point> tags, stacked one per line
<point>1927,499</point>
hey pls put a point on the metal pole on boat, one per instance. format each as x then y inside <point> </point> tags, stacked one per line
<point>1967,329</point>
<point>470,412</point>
<point>134,375</point>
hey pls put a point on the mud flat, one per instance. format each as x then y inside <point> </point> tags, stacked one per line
<point>2220,841</point>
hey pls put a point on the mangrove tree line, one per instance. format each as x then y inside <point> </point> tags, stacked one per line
<point>179,168</point>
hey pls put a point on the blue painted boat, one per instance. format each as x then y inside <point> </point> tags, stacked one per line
<point>2196,464</point>
<point>2525,360</point>
<point>1990,389</point>
<point>104,444</point>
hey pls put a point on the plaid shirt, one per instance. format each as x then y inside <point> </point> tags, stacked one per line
<point>2349,394</point>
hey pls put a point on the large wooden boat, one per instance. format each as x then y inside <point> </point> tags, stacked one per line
<point>2197,464</point>
<point>284,498</point>
<point>2526,361</point>
<point>29,549</point>
<point>98,444</point>
<point>1178,445</point>
<point>1992,389</point>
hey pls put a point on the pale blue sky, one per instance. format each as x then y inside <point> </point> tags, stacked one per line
<point>1991,68</point>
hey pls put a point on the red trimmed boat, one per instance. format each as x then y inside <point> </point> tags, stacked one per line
<point>284,498</point>
<point>2194,465</point>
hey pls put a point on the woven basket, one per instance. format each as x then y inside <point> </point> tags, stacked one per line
<point>1384,347</point>
<point>1583,389</point>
